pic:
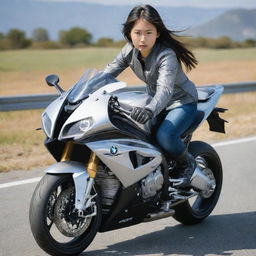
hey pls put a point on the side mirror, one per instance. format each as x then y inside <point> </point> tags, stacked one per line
<point>53,80</point>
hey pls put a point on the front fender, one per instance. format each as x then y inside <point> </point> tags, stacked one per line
<point>80,176</point>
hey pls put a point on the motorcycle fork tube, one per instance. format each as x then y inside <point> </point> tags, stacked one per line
<point>93,160</point>
<point>93,165</point>
<point>92,171</point>
<point>66,154</point>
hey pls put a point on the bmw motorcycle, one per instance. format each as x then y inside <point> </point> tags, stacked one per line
<point>110,172</point>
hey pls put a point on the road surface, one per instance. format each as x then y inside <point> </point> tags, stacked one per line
<point>229,230</point>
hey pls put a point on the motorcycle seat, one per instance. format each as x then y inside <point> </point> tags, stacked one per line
<point>204,93</point>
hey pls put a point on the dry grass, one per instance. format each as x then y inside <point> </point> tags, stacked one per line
<point>15,83</point>
<point>241,116</point>
<point>18,83</point>
<point>21,146</point>
<point>23,157</point>
<point>23,72</point>
<point>224,72</point>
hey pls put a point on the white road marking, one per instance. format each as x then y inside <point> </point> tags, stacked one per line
<point>218,144</point>
<point>232,142</point>
<point>20,182</point>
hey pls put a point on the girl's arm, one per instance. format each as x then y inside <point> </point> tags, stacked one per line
<point>120,62</point>
<point>165,83</point>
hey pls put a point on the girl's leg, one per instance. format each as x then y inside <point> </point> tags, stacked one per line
<point>175,124</point>
<point>168,136</point>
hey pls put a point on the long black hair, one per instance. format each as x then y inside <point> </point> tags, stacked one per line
<point>150,14</point>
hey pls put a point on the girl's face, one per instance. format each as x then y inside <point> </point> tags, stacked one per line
<point>143,36</point>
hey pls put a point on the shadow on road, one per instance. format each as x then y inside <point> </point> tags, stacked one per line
<point>219,234</point>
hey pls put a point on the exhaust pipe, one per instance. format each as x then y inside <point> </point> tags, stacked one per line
<point>159,215</point>
<point>200,181</point>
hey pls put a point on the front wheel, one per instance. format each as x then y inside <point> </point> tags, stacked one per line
<point>55,223</point>
<point>193,212</point>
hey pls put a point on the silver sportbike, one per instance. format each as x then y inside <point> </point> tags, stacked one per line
<point>110,173</point>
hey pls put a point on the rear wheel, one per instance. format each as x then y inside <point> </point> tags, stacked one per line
<point>195,211</point>
<point>55,223</point>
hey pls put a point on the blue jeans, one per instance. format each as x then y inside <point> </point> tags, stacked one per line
<point>175,124</point>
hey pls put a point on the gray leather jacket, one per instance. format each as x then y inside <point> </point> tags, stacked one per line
<point>166,82</point>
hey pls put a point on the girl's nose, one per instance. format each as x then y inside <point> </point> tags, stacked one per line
<point>142,38</point>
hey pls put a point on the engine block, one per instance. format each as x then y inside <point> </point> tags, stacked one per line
<point>152,183</point>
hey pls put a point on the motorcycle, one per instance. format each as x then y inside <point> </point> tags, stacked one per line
<point>110,172</point>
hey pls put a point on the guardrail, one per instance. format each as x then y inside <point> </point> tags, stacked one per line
<point>23,102</point>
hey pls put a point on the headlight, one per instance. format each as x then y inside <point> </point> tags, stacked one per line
<point>77,129</point>
<point>47,124</point>
<point>85,124</point>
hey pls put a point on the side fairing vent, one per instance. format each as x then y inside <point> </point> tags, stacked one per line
<point>137,159</point>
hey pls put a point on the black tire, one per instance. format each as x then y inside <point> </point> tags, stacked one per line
<point>190,214</point>
<point>39,218</point>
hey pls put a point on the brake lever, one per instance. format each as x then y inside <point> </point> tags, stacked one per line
<point>116,106</point>
<point>127,112</point>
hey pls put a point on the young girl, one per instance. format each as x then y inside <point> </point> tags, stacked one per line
<point>155,56</point>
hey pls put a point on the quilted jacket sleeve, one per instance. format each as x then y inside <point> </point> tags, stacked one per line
<point>120,62</point>
<point>167,71</point>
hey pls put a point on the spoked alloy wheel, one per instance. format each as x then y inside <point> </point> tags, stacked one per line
<point>196,210</point>
<point>56,224</point>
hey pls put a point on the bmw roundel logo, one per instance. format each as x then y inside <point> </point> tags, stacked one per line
<point>113,150</point>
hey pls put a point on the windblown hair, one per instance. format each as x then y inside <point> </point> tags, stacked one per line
<point>150,14</point>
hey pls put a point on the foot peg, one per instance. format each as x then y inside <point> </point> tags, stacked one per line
<point>181,194</point>
<point>181,182</point>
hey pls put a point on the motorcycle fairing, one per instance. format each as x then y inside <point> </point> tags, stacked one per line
<point>129,209</point>
<point>98,116</point>
<point>208,98</point>
<point>51,114</point>
<point>115,154</point>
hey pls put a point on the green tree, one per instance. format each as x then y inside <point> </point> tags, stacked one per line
<point>223,42</point>
<point>62,36</point>
<point>249,42</point>
<point>104,42</point>
<point>17,39</point>
<point>119,44</point>
<point>4,43</point>
<point>40,35</point>
<point>75,36</point>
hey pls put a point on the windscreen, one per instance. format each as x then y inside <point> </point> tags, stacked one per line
<point>90,82</point>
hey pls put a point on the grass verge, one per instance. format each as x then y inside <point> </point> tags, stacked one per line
<point>24,71</point>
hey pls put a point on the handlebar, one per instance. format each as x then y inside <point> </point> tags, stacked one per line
<point>127,112</point>
<point>114,103</point>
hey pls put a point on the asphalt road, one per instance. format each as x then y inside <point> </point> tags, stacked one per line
<point>229,230</point>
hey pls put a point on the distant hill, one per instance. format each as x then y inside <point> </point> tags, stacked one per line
<point>238,24</point>
<point>100,20</point>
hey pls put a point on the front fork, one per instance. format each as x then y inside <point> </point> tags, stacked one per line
<point>92,168</point>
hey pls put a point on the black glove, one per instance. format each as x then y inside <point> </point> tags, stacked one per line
<point>141,115</point>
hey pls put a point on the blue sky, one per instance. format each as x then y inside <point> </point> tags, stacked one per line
<point>250,4</point>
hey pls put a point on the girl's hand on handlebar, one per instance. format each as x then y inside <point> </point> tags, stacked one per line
<point>141,115</point>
